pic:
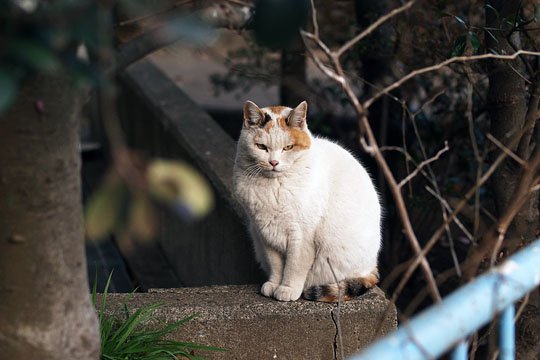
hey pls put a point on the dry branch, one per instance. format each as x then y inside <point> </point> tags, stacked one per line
<point>422,164</point>
<point>441,65</point>
<point>371,146</point>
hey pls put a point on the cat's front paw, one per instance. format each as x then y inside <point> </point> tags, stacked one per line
<point>268,288</point>
<point>286,293</point>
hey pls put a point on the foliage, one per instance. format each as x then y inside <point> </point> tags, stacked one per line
<point>127,338</point>
<point>43,36</point>
<point>47,36</point>
<point>114,208</point>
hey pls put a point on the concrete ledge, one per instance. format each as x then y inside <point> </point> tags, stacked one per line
<point>252,326</point>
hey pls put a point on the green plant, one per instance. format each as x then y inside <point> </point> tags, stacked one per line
<point>127,337</point>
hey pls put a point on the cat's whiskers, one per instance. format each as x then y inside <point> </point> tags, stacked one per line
<point>252,171</point>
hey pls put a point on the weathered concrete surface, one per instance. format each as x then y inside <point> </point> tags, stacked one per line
<point>252,326</point>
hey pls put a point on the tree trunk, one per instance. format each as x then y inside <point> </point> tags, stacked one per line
<point>45,308</point>
<point>507,110</point>
<point>293,86</point>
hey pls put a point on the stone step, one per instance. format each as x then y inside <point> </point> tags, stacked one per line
<point>251,326</point>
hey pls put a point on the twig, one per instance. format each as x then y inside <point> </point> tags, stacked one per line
<point>460,225</point>
<point>437,234</point>
<point>449,208</point>
<point>349,44</point>
<point>440,65</point>
<point>476,152</point>
<point>530,119</point>
<point>157,13</point>
<point>372,148</point>
<point>422,164</point>
<point>506,150</point>
<point>314,19</point>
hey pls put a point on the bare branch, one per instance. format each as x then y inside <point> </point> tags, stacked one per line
<point>439,66</point>
<point>314,19</point>
<point>422,164</point>
<point>506,150</point>
<point>449,208</point>
<point>531,119</point>
<point>349,44</point>
<point>372,148</point>
<point>325,69</point>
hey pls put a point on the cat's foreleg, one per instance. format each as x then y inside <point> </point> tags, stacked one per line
<point>298,260</point>
<point>271,261</point>
<point>275,271</point>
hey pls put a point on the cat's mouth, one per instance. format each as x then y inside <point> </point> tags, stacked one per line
<point>272,172</point>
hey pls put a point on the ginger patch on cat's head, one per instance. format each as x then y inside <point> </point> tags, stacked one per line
<point>292,121</point>
<point>281,119</point>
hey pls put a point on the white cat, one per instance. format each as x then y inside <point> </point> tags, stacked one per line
<point>313,210</point>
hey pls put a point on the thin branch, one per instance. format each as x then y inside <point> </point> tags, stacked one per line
<point>531,119</point>
<point>460,225</point>
<point>519,196</point>
<point>349,44</point>
<point>437,234</point>
<point>422,164</point>
<point>317,40</point>
<point>506,150</point>
<point>439,66</point>
<point>314,19</point>
<point>372,148</point>
<point>154,14</point>
<point>474,144</point>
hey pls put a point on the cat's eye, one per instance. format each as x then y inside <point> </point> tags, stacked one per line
<point>261,146</point>
<point>288,147</point>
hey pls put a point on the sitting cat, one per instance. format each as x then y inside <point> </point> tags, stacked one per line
<point>314,214</point>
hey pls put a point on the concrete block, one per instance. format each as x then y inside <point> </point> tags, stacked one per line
<point>252,326</point>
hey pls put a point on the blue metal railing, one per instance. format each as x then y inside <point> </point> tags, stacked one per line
<point>447,325</point>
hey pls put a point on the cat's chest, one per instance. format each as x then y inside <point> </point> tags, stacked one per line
<point>273,200</point>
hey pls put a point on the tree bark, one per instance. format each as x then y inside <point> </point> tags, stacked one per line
<point>45,308</point>
<point>507,111</point>
<point>293,86</point>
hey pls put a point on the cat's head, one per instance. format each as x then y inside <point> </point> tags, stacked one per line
<point>273,138</point>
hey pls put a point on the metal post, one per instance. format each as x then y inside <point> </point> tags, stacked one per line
<point>437,329</point>
<point>460,352</point>
<point>507,336</point>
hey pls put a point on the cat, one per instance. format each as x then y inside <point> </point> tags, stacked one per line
<point>314,214</point>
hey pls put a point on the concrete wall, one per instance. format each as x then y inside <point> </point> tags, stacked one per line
<point>251,326</point>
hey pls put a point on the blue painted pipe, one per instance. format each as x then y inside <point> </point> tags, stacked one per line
<point>442,326</point>
<point>507,334</point>
<point>461,351</point>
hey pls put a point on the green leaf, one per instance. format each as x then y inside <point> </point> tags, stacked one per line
<point>490,7</point>
<point>34,55</point>
<point>180,186</point>
<point>104,208</point>
<point>8,90</point>
<point>457,18</point>
<point>459,46</point>
<point>475,42</point>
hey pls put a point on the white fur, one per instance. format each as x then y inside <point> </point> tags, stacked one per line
<point>318,206</point>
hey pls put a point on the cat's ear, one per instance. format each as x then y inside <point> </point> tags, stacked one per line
<point>252,114</point>
<point>297,116</point>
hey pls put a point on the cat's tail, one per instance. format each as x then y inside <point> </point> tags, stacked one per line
<point>345,290</point>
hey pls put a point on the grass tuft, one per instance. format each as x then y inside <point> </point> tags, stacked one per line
<point>127,338</point>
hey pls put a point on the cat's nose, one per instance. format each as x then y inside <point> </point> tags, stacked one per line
<point>274,163</point>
